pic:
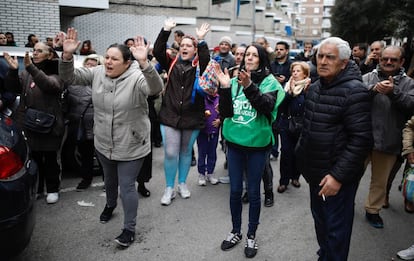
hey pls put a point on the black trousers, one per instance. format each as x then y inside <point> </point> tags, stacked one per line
<point>86,150</point>
<point>49,170</point>
<point>145,173</point>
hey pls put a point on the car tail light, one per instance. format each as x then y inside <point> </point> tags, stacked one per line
<point>10,162</point>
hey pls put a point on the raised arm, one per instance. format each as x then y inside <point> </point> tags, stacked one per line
<point>140,51</point>
<point>70,43</point>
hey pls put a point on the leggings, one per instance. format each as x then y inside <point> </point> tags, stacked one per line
<point>178,145</point>
<point>122,174</point>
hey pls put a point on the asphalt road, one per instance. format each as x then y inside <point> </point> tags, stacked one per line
<point>193,229</point>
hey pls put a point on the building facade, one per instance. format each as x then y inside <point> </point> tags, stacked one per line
<point>105,22</point>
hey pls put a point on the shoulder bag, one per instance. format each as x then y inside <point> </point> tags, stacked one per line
<point>39,121</point>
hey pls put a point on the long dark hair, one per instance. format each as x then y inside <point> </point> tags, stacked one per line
<point>263,70</point>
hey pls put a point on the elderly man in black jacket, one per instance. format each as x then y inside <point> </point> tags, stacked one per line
<point>335,141</point>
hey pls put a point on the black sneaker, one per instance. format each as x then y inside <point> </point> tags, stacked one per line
<point>126,238</point>
<point>268,202</point>
<point>143,190</point>
<point>231,240</point>
<point>106,214</point>
<point>84,184</point>
<point>250,249</point>
<point>374,220</point>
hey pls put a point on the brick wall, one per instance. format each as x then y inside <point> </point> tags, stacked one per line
<point>125,19</point>
<point>22,17</point>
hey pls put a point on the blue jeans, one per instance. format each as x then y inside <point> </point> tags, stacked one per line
<point>254,161</point>
<point>207,152</point>
<point>333,221</point>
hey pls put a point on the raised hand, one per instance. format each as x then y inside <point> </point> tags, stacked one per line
<point>70,42</point>
<point>58,39</point>
<point>222,77</point>
<point>202,31</point>
<point>27,60</point>
<point>169,24</point>
<point>11,61</point>
<point>140,50</point>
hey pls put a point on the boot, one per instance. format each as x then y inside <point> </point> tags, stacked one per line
<point>268,202</point>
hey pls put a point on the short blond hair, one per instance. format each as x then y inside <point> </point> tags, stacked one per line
<point>304,65</point>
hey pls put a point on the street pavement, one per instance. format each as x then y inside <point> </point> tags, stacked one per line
<point>193,229</point>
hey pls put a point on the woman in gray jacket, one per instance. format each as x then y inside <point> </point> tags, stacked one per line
<point>120,89</point>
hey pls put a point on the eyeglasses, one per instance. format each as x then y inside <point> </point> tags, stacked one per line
<point>392,59</point>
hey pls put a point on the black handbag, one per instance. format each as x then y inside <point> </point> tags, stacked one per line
<point>39,121</point>
<point>80,131</point>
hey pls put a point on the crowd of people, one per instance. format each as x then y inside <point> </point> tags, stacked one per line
<point>328,113</point>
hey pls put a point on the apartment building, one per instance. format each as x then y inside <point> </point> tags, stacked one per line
<point>108,21</point>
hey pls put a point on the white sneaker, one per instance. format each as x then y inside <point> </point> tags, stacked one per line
<point>169,194</point>
<point>407,254</point>
<point>52,198</point>
<point>183,190</point>
<point>224,179</point>
<point>202,180</point>
<point>212,179</point>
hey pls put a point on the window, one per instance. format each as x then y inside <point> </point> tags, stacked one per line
<point>316,10</point>
<point>315,20</point>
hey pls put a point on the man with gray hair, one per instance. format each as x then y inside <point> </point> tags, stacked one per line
<point>335,141</point>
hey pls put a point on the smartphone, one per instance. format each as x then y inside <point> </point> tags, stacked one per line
<point>242,68</point>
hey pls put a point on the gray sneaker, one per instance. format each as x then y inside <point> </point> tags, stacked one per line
<point>224,179</point>
<point>213,180</point>
<point>169,194</point>
<point>406,254</point>
<point>183,190</point>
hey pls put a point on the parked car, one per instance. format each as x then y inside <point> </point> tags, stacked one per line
<point>18,179</point>
<point>18,187</point>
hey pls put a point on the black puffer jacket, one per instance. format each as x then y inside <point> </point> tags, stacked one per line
<point>337,133</point>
